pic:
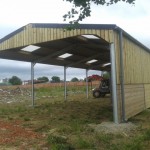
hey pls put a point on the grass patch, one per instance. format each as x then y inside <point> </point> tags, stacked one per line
<point>71,118</point>
<point>146,135</point>
<point>26,119</point>
<point>58,143</point>
<point>105,138</point>
<point>83,143</point>
<point>55,139</point>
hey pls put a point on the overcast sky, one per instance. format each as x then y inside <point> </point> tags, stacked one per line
<point>14,14</point>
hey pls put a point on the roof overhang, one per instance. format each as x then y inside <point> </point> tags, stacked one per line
<point>84,48</point>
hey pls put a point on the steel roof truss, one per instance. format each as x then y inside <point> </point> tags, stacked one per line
<point>84,60</point>
<point>59,52</point>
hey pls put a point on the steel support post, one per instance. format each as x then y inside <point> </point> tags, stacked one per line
<point>32,82</point>
<point>113,81</point>
<point>87,85</point>
<point>65,83</point>
<point>102,73</point>
<point>122,76</point>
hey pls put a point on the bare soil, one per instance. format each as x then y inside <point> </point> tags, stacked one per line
<point>75,124</point>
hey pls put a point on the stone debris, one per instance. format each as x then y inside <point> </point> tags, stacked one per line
<point>14,95</point>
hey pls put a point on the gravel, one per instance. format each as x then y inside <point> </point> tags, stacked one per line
<point>112,128</point>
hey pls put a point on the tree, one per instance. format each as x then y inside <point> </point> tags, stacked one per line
<point>106,75</point>
<point>74,79</point>
<point>55,79</point>
<point>43,79</point>
<point>14,80</point>
<point>82,8</point>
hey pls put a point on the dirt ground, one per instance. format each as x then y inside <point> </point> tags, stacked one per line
<point>78,124</point>
<point>12,133</point>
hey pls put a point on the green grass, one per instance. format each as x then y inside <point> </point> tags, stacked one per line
<point>71,119</point>
<point>83,143</point>
<point>58,143</point>
<point>54,92</point>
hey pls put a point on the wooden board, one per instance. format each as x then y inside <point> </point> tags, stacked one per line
<point>134,99</point>
<point>147,95</point>
<point>136,62</point>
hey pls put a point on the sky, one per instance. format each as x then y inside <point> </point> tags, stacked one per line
<point>134,19</point>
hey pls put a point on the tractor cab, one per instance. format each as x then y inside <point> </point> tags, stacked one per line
<point>103,89</point>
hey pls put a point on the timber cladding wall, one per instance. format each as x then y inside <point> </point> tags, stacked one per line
<point>136,62</point>
<point>31,35</point>
<point>135,101</point>
<point>147,95</point>
<point>136,69</point>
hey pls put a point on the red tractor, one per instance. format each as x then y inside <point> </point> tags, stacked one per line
<point>103,89</point>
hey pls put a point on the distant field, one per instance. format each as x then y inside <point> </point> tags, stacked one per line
<point>45,90</point>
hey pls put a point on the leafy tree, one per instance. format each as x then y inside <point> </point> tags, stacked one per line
<point>55,79</point>
<point>74,79</point>
<point>106,75</point>
<point>82,8</point>
<point>43,79</point>
<point>14,80</point>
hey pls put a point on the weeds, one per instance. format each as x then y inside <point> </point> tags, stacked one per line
<point>76,126</point>
<point>55,139</point>
<point>58,143</point>
<point>105,138</point>
<point>146,135</point>
<point>84,144</point>
<point>26,119</point>
<point>135,144</point>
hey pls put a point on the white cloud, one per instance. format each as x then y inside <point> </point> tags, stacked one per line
<point>134,19</point>
<point>20,12</point>
<point>17,13</point>
<point>11,68</point>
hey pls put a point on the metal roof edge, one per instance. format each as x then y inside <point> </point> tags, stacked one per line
<point>80,26</point>
<point>12,34</point>
<point>132,38</point>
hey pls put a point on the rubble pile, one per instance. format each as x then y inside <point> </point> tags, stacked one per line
<point>14,95</point>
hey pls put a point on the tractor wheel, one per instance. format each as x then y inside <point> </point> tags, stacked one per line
<point>102,94</point>
<point>96,93</point>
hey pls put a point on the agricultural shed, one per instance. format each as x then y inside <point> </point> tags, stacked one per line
<point>91,47</point>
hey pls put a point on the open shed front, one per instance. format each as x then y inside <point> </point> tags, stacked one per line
<point>90,47</point>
